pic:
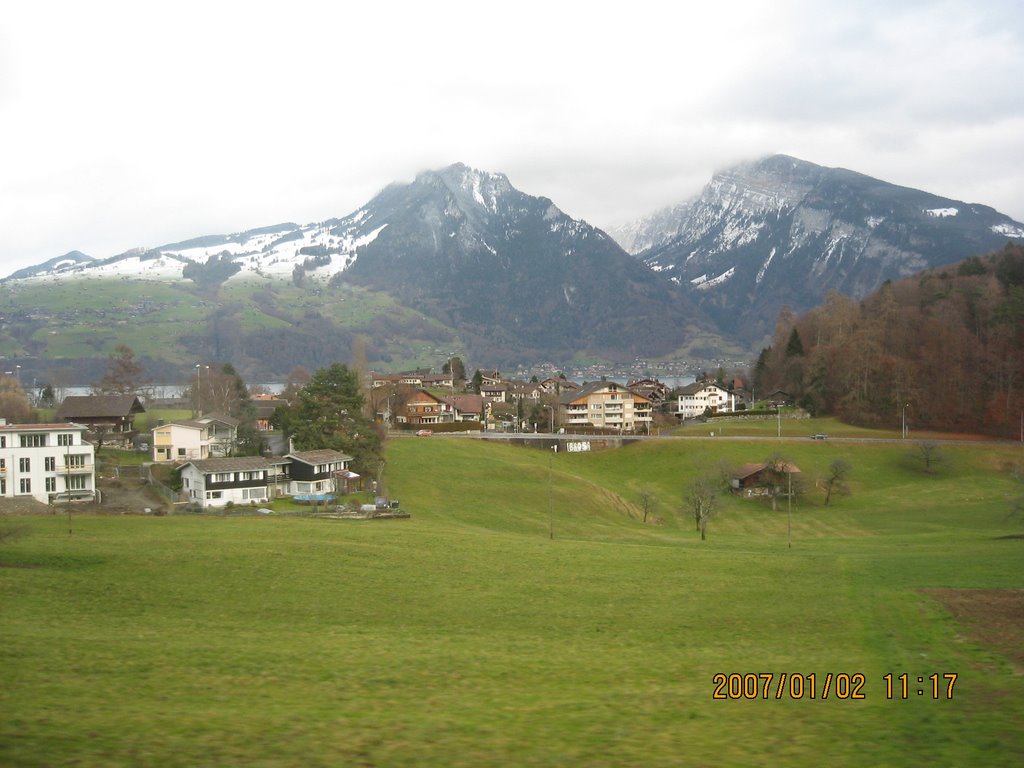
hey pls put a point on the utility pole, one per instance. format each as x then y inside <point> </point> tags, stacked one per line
<point>789,509</point>
<point>551,517</point>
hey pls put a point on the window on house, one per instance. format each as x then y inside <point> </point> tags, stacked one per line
<point>24,464</point>
<point>51,485</point>
<point>65,439</point>
<point>181,451</point>
<point>50,464</point>
<point>3,441</point>
<point>213,494</point>
<point>3,486</point>
<point>77,483</point>
<point>222,477</point>
<point>32,441</point>
<point>26,485</point>
<point>76,460</point>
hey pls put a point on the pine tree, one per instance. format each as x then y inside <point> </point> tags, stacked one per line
<point>329,414</point>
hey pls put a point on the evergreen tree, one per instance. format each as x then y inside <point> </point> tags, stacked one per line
<point>795,347</point>
<point>329,414</point>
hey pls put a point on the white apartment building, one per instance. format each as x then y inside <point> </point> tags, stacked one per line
<point>48,462</point>
<point>695,399</point>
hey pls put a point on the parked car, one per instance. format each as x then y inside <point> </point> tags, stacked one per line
<point>424,433</point>
<point>819,436</point>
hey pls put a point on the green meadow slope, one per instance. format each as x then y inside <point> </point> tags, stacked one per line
<point>467,635</point>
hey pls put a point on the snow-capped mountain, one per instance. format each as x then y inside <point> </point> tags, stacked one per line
<point>782,231</point>
<point>468,247</point>
<point>512,274</point>
<point>651,231</point>
<point>65,263</point>
<point>321,249</point>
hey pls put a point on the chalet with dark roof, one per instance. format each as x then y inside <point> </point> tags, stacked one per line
<point>112,416</point>
<point>320,471</point>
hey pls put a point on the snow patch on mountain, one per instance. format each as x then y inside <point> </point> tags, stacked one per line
<point>1010,230</point>
<point>703,283</point>
<point>764,267</point>
<point>941,213</point>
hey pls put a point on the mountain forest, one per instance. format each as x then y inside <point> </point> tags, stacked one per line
<point>943,349</point>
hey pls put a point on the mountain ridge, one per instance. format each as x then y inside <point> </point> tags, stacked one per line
<point>781,231</point>
<point>511,278</point>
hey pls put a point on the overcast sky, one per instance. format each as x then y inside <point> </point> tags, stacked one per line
<point>131,124</point>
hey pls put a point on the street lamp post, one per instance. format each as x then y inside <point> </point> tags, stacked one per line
<point>552,412</point>
<point>199,388</point>
<point>904,428</point>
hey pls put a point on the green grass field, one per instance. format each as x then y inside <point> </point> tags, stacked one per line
<point>467,636</point>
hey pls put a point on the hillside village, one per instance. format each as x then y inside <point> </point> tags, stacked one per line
<point>236,448</point>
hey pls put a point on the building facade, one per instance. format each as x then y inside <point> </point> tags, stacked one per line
<point>700,397</point>
<point>47,462</point>
<point>605,405</point>
<point>207,437</point>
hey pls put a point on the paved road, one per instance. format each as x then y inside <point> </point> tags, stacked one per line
<point>544,436</point>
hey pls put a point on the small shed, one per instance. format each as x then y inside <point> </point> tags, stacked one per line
<point>749,480</point>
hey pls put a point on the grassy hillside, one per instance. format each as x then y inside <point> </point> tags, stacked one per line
<point>263,327</point>
<point>467,636</point>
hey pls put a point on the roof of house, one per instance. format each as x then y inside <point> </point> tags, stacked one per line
<point>98,406</point>
<point>40,427</point>
<point>698,386</point>
<point>201,422</point>
<point>594,387</point>
<point>265,408</point>
<point>319,456</point>
<point>747,470</point>
<point>233,464</point>
<point>466,403</point>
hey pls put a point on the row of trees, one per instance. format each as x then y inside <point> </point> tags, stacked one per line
<point>946,348</point>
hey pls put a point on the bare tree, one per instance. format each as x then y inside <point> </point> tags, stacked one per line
<point>123,375</point>
<point>838,471</point>
<point>702,500</point>
<point>647,500</point>
<point>930,454</point>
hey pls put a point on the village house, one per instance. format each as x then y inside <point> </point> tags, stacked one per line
<point>605,405</point>
<point>207,437</point>
<point>46,462</point>
<point>210,483</point>
<point>264,408</point>
<point>108,417</point>
<point>424,408</point>
<point>243,480</point>
<point>466,407</point>
<point>703,397</point>
<point>522,390</point>
<point>491,377</point>
<point>652,389</point>
<point>557,385</point>
<point>497,391</point>
<point>319,472</point>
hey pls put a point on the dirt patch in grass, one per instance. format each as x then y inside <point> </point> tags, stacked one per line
<point>992,617</point>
